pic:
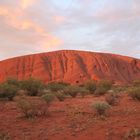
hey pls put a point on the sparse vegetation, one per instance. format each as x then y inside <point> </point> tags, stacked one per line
<point>4,136</point>
<point>102,87</point>
<point>48,98</point>
<point>134,92</point>
<point>31,108</point>
<point>60,96</point>
<point>105,84</point>
<point>101,107</point>
<point>133,134</point>
<point>111,98</point>
<point>136,83</point>
<point>26,107</point>
<point>72,91</point>
<point>12,81</point>
<point>8,91</point>
<point>56,86</point>
<point>83,92</point>
<point>91,86</point>
<point>33,86</point>
<point>100,91</point>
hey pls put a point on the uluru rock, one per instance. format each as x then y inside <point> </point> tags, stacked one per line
<point>72,66</point>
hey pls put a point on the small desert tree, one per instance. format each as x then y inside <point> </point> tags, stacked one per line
<point>102,87</point>
<point>8,91</point>
<point>91,86</point>
<point>33,86</point>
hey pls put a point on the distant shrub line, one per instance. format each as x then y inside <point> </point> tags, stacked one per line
<point>33,87</point>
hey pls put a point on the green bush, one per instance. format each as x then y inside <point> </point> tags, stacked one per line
<point>56,86</point>
<point>8,91</point>
<point>105,84</point>
<point>63,83</point>
<point>83,92</point>
<point>91,86</point>
<point>136,83</point>
<point>134,92</point>
<point>100,91</point>
<point>102,87</point>
<point>101,107</point>
<point>12,81</point>
<point>60,96</point>
<point>48,98</point>
<point>72,90</point>
<point>31,85</point>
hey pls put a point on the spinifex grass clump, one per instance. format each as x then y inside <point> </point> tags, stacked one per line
<point>31,108</point>
<point>26,107</point>
<point>100,107</point>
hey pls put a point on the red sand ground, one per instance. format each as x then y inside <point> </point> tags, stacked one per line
<point>67,123</point>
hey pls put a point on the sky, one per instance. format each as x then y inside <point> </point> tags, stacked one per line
<point>34,26</point>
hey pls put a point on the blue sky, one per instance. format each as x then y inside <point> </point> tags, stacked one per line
<point>33,26</point>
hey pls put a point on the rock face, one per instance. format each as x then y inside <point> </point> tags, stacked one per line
<point>72,66</point>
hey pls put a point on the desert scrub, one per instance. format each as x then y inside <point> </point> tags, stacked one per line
<point>60,95</point>
<point>32,86</point>
<point>31,108</point>
<point>136,83</point>
<point>8,91</point>
<point>72,90</point>
<point>48,98</point>
<point>91,86</point>
<point>56,86</point>
<point>4,136</point>
<point>100,107</point>
<point>132,134</point>
<point>134,92</point>
<point>26,107</point>
<point>83,91</point>
<point>106,84</point>
<point>100,91</point>
<point>111,98</point>
<point>13,81</point>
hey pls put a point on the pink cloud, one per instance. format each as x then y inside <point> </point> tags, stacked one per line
<point>16,18</point>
